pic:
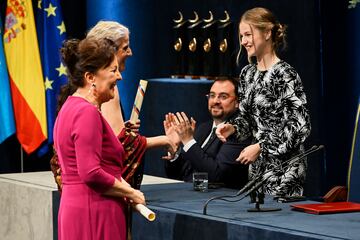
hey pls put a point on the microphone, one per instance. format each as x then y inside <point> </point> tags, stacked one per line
<point>254,184</point>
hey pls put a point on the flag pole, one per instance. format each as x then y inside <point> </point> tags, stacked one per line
<point>21,159</point>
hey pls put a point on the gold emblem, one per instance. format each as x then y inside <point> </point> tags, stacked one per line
<point>207,45</point>
<point>181,18</point>
<point>192,45</point>
<point>196,19</point>
<point>223,45</point>
<point>178,45</point>
<point>227,17</point>
<point>210,19</point>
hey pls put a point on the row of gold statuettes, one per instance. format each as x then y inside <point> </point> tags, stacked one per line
<point>203,46</point>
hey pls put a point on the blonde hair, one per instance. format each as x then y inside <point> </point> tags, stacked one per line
<point>111,30</point>
<point>264,20</point>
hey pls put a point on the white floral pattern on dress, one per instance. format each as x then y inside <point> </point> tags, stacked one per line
<point>273,110</point>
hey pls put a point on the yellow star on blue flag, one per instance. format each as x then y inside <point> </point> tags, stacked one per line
<point>51,33</point>
<point>48,83</point>
<point>61,69</point>
<point>61,27</point>
<point>50,10</point>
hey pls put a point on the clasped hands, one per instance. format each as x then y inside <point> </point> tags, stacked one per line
<point>179,129</point>
<point>134,196</point>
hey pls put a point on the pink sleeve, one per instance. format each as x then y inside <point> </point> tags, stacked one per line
<point>87,133</point>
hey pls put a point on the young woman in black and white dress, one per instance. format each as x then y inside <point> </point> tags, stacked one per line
<point>272,107</point>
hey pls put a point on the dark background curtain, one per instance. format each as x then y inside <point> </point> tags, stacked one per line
<point>322,46</point>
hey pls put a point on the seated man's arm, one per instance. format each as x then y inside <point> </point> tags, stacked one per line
<point>178,169</point>
<point>219,162</point>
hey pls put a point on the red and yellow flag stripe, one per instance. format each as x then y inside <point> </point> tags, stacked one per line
<point>26,79</point>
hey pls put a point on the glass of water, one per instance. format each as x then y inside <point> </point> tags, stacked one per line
<point>200,181</point>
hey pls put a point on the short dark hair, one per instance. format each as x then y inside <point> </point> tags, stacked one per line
<point>234,81</point>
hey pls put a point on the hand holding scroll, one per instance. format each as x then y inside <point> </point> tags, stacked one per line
<point>143,210</point>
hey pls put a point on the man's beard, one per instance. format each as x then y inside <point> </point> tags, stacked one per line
<point>219,115</point>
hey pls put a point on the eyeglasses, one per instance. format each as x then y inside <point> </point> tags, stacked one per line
<point>221,96</point>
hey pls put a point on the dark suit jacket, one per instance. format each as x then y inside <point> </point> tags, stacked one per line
<point>218,160</point>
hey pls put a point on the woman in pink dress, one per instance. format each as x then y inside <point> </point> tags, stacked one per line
<point>94,195</point>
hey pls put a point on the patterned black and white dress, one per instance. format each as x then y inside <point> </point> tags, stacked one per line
<point>273,110</point>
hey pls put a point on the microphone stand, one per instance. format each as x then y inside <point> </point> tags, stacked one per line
<point>258,198</point>
<point>255,184</point>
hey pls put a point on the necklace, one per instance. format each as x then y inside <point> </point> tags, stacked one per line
<point>92,102</point>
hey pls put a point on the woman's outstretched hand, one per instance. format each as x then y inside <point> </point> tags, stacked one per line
<point>172,136</point>
<point>224,131</point>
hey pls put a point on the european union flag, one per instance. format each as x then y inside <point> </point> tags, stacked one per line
<point>51,33</point>
<point>6,109</point>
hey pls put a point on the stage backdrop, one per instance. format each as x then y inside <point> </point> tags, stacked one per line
<point>151,39</point>
<point>323,46</point>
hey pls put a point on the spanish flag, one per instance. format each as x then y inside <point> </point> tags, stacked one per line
<point>26,79</point>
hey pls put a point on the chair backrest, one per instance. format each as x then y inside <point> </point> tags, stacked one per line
<point>354,166</point>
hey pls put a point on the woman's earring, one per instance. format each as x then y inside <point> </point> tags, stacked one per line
<point>92,87</point>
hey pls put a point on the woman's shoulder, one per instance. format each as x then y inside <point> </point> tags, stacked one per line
<point>80,105</point>
<point>248,70</point>
<point>249,67</point>
<point>285,71</point>
<point>284,67</point>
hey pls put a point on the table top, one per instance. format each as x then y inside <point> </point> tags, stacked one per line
<point>180,80</point>
<point>181,198</point>
<point>46,179</point>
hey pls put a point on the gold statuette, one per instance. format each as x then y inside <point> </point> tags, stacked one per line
<point>192,45</point>
<point>178,45</point>
<point>207,45</point>
<point>223,45</point>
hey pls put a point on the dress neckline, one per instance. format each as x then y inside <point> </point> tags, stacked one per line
<point>270,68</point>
<point>85,100</point>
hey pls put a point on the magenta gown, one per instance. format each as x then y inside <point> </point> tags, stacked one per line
<point>90,156</point>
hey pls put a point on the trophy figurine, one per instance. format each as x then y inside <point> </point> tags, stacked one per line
<point>179,48</point>
<point>226,54</point>
<point>194,50</point>
<point>210,66</point>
